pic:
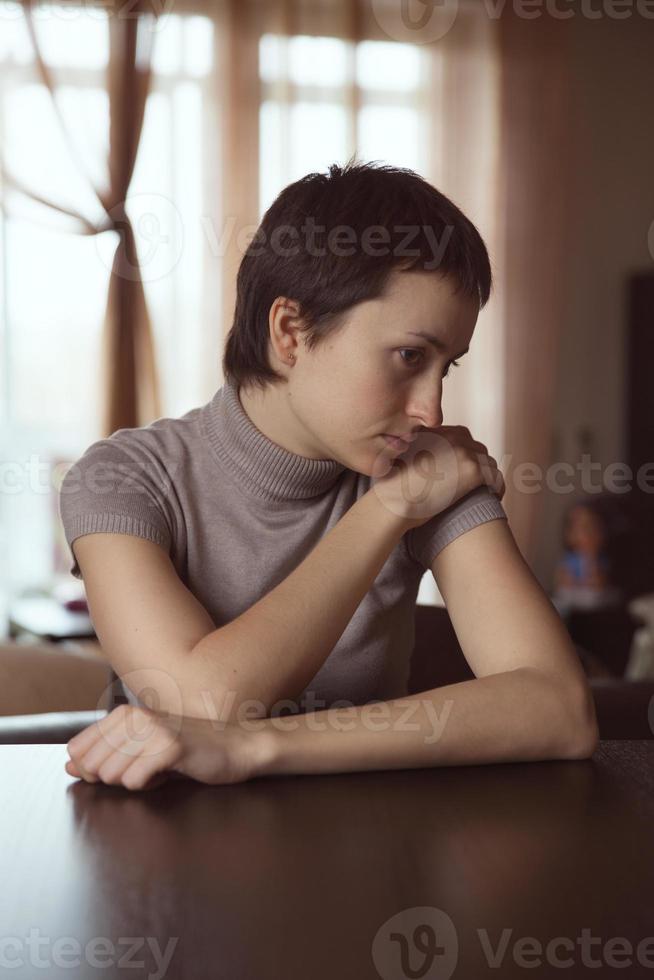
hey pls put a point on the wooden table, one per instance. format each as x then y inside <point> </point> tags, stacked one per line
<point>331,876</point>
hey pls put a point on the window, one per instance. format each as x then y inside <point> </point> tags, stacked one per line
<point>306,121</point>
<point>53,283</point>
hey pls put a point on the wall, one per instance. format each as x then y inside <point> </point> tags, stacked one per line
<point>613,156</point>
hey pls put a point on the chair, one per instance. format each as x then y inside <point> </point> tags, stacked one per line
<point>625,709</point>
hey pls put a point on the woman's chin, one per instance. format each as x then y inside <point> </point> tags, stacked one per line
<point>379,464</point>
<point>375,463</point>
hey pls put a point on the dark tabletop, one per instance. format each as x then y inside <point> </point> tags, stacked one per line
<point>397,874</point>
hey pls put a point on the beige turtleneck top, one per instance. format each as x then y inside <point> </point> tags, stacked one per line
<point>237,513</point>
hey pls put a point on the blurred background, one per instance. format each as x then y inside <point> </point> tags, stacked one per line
<point>140,145</point>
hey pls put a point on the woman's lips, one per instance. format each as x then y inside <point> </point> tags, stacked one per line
<point>396,443</point>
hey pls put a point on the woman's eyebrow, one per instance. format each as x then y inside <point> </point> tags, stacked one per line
<point>435,342</point>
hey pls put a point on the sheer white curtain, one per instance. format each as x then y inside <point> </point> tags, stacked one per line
<point>57,249</point>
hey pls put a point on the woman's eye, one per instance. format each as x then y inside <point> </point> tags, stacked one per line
<point>409,350</point>
<point>420,354</point>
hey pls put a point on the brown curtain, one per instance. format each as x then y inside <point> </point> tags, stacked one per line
<point>536,201</point>
<point>129,360</point>
<point>238,28</point>
<point>130,386</point>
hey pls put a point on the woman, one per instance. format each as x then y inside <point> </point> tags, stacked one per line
<point>263,552</point>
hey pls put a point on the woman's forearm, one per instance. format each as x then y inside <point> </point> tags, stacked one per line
<point>274,649</point>
<point>522,715</point>
<point>519,715</point>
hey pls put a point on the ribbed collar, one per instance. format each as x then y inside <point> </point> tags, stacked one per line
<point>254,460</point>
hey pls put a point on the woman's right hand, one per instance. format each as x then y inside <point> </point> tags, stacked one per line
<point>436,469</point>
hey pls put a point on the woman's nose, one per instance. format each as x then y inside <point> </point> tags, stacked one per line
<point>429,413</point>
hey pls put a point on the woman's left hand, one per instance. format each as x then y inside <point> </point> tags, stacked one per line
<point>139,748</point>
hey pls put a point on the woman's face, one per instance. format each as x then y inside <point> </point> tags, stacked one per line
<point>374,375</point>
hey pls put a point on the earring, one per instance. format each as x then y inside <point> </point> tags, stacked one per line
<point>291,357</point>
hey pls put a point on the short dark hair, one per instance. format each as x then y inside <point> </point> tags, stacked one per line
<point>362,200</point>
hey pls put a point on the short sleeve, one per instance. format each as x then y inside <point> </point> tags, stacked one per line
<point>118,489</point>
<point>477,507</point>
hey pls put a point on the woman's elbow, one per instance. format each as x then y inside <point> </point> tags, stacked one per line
<point>585,736</point>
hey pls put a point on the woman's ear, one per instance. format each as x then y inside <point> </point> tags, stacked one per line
<point>285,324</point>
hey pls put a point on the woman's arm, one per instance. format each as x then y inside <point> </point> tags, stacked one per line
<point>529,700</point>
<point>164,645</point>
<point>517,716</point>
<point>272,651</point>
<point>521,715</point>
